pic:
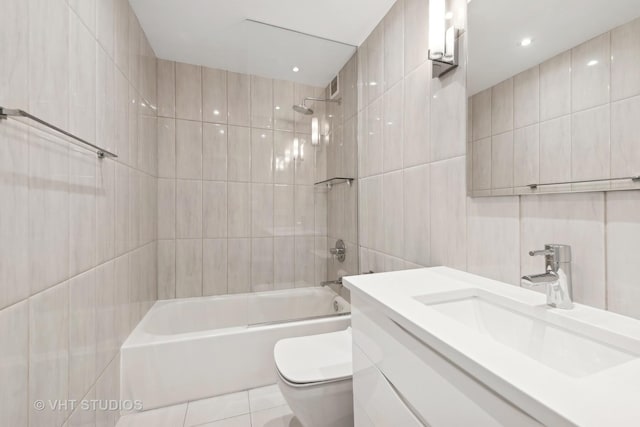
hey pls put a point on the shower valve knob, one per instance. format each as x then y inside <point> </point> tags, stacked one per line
<point>340,251</point>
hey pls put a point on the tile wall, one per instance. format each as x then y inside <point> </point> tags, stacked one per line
<point>411,148</point>
<point>571,118</point>
<point>236,212</point>
<point>413,208</point>
<point>77,233</point>
<point>342,161</point>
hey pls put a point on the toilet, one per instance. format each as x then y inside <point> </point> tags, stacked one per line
<point>315,377</point>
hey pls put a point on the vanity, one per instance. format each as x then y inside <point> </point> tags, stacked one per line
<point>440,347</point>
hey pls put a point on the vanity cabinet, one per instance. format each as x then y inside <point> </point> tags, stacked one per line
<point>399,380</point>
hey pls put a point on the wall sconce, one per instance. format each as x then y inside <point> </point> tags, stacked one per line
<point>316,135</point>
<point>298,149</point>
<point>315,131</point>
<point>443,42</point>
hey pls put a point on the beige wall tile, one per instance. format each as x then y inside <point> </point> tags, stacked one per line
<point>188,209</point>
<point>416,34</point>
<point>625,128</point>
<point>188,268</point>
<point>188,91</point>
<point>416,214</point>
<point>590,72</point>
<point>622,230</point>
<point>166,88</point>
<point>590,144</point>
<point>239,209</point>
<point>14,217</point>
<point>14,366</point>
<point>625,56</point>
<point>261,102</point>
<point>49,353</point>
<point>417,115</point>
<point>526,98</point>
<point>214,152</point>
<point>188,149</point>
<point>214,268</point>
<point>502,107</point>
<point>214,95</point>
<point>494,220</point>
<point>239,99</point>
<point>393,127</point>
<point>214,196</point>
<point>166,269</point>
<point>239,265</point>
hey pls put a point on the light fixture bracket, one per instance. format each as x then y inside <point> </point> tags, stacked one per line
<point>443,62</point>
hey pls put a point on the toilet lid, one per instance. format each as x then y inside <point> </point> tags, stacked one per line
<point>315,358</point>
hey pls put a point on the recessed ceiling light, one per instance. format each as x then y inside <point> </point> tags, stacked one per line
<point>296,69</point>
<point>277,107</point>
<point>373,84</point>
<point>592,63</point>
<point>525,42</point>
<point>216,112</point>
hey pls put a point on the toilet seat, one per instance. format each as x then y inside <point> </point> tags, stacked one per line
<point>315,359</point>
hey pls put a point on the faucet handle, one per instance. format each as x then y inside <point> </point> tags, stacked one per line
<point>554,252</point>
<point>541,252</point>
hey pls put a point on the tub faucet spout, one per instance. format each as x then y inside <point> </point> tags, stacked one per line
<point>332,282</point>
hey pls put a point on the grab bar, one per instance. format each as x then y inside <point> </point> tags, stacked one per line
<point>8,112</point>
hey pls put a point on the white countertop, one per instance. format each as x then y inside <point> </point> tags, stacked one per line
<point>607,398</point>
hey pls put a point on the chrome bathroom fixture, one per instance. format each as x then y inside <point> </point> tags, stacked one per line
<point>8,112</point>
<point>333,282</point>
<point>443,42</point>
<point>307,111</point>
<point>335,181</point>
<point>340,251</point>
<point>557,277</point>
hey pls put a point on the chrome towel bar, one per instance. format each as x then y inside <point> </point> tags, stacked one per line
<point>586,181</point>
<point>8,112</point>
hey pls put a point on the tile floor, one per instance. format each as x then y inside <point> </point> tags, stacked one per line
<point>260,407</point>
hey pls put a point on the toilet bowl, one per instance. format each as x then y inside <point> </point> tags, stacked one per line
<point>315,377</point>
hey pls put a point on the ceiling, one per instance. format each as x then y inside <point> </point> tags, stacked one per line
<point>261,37</point>
<point>496,28</point>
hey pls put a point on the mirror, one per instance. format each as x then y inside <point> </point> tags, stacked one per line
<point>554,96</point>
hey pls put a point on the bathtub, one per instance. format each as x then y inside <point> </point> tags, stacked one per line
<point>192,348</point>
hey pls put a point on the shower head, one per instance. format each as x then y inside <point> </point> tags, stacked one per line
<point>302,109</point>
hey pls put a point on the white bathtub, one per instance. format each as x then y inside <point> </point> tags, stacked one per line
<point>192,348</point>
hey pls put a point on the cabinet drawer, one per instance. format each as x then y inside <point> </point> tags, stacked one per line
<point>376,403</point>
<point>441,393</point>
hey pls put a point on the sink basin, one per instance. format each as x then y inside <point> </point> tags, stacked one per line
<point>532,331</point>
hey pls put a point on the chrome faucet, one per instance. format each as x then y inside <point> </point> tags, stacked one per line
<point>333,282</point>
<point>557,278</point>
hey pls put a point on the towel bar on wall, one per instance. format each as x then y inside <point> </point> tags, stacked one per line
<point>335,181</point>
<point>586,181</point>
<point>8,112</point>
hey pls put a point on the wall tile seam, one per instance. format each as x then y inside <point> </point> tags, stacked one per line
<point>94,36</point>
<point>391,256</point>
<point>93,386</point>
<point>62,282</point>
<point>221,123</point>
